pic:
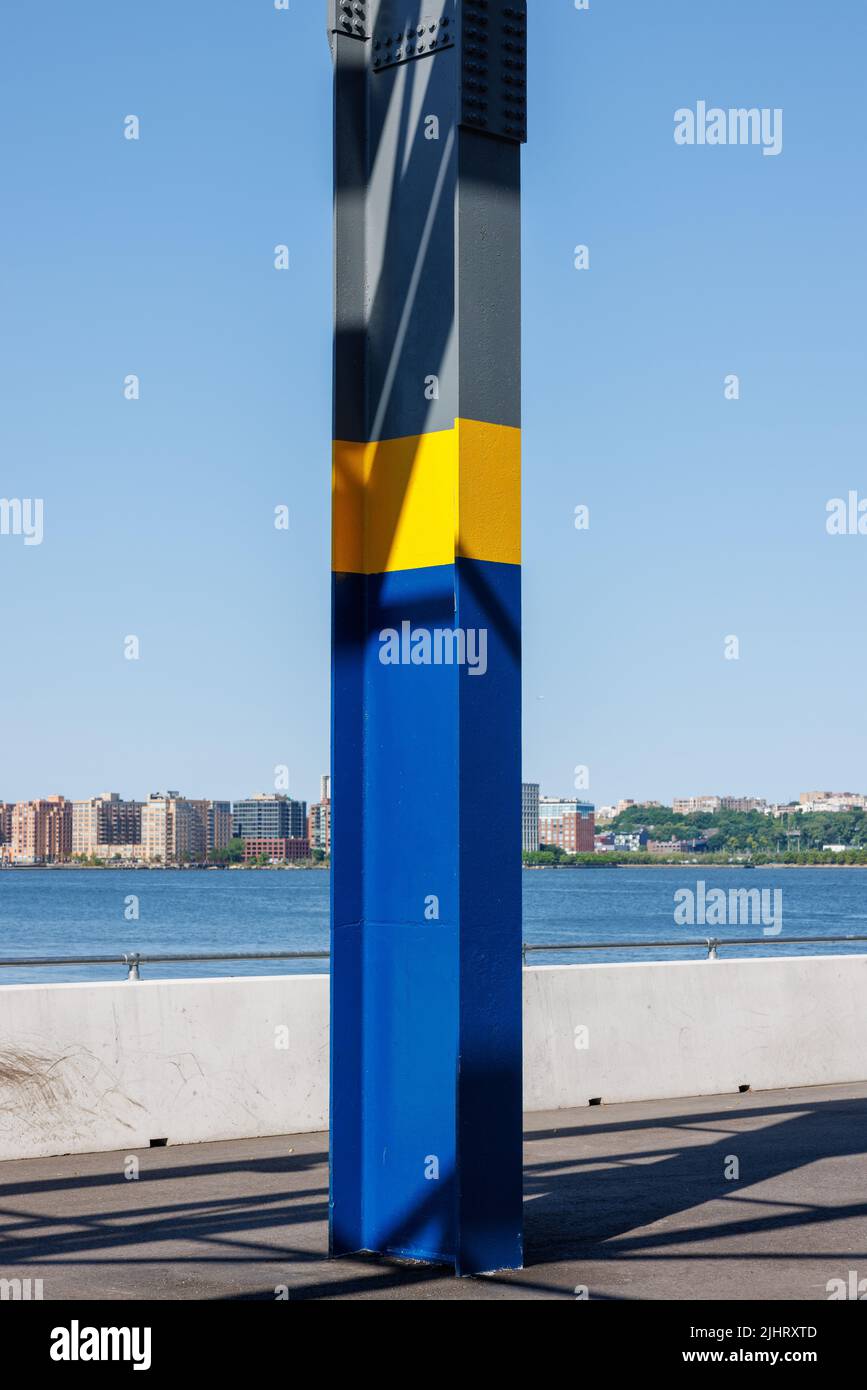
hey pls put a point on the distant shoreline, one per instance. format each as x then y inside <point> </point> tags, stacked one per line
<point>318,868</point>
<point>685,864</point>
<point>165,868</point>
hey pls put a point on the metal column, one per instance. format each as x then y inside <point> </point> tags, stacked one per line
<point>430,115</point>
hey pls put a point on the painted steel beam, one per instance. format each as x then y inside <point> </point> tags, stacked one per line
<point>429,118</point>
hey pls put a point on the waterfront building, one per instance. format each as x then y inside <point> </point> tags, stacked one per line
<point>566,823</point>
<point>280,850</point>
<point>270,817</point>
<point>102,821</point>
<point>632,840</point>
<point>319,818</point>
<point>128,854</point>
<point>41,831</point>
<point>219,824</point>
<point>157,837</point>
<point>173,830</point>
<point>210,828</point>
<point>529,817</point>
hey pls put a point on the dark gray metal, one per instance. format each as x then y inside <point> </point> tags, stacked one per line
<point>348,17</point>
<point>461,205</point>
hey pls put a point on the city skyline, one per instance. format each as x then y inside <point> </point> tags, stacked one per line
<point>165,828</point>
<point>725,797</point>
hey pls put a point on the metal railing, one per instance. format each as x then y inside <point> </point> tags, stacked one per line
<point>711,944</point>
<point>133,960</point>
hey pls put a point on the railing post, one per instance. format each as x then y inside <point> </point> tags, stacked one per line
<point>712,945</point>
<point>133,960</point>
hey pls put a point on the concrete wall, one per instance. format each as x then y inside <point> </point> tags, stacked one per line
<point>692,1028</point>
<point>89,1067</point>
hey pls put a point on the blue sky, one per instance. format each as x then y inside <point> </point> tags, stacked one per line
<point>155,257</point>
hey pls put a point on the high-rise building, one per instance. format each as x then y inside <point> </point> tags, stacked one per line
<point>566,823</point>
<point>189,824</point>
<point>103,821</point>
<point>529,817</point>
<point>319,819</point>
<point>42,831</point>
<point>219,824</point>
<point>6,808</point>
<point>270,817</point>
<point>173,830</point>
<point>157,831</point>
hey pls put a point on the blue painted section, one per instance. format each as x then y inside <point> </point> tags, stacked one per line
<point>490,1107</point>
<point>426,1001</point>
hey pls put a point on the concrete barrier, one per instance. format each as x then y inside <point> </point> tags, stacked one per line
<point>655,1031</point>
<point>91,1067</point>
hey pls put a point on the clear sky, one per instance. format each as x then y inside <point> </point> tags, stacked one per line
<point>707,515</point>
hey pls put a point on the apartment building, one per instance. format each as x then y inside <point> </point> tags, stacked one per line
<point>219,824</point>
<point>41,831</point>
<point>270,817</point>
<point>567,824</point>
<point>103,822</point>
<point>529,817</point>
<point>691,805</point>
<point>831,802</point>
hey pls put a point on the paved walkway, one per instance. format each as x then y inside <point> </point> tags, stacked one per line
<point>631,1201</point>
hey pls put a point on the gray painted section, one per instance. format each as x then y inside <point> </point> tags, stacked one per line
<point>427,233</point>
<point>489,277</point>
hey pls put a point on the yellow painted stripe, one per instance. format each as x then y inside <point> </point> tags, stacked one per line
<point>408,503</point>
